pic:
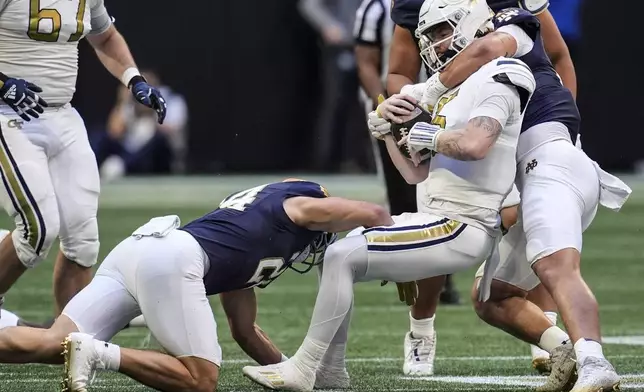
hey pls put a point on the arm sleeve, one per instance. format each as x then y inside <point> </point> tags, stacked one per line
<point>524,42</point>
<point>369,21</point>
<point>100,19</point>
<point>496,100</point>
<point>317,14</point>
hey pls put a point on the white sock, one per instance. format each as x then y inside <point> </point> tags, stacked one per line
<point>8,319</point>
<point>552,316</point>
<point>538,352</point>
<point>585,348</point>
<point>552,338</point>
<point>422,328</point>
<point>310,354</point>
<point>109,355</point>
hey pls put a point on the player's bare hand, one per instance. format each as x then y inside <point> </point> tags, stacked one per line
<point>395,107</point>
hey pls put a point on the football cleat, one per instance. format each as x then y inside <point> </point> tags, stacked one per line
<point>562,374</point>
<point>283,376</point>
<point>332,378</point>
<point>419,355</point>
<point>596,375</point>
<point>80,362</point>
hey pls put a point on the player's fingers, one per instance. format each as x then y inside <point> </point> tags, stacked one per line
<point>414,288</point>
<point>34,87</point>
<point>403,140</point>
<point>32,113</point>
<point>409,294</point>
<point>41,101</point>
<point>401,292</point>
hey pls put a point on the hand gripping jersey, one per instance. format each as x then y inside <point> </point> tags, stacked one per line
<point>250,240</point>
<point>477,188</point>
<point>39,41</point>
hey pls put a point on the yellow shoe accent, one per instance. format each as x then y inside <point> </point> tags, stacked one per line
<point>66,383</point>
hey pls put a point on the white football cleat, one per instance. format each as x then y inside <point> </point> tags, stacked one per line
<point>419,355</point>
<point>541,360</point>
<point>596,375</point>
<point>283,376</point>
<point>80,362</point>
<point>326,378</point>
<point>562,376</point>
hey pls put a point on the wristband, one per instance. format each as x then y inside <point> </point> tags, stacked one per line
<point>128,75</point>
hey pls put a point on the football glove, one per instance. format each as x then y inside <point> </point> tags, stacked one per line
<point>21,96</point>
<point>407,292</point>
<point>148,96</point>
<point>434,88</point>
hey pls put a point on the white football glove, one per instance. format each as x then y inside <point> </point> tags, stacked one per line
<point>415,91</point>
<point>432,92</point>
<point>378,126</point>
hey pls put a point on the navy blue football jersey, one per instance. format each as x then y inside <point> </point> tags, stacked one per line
<point>551,101</point>
<point>249,239</point>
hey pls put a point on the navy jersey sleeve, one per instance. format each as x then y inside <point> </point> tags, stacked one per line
<point>533,6</point>
<point>405,13</point>
<point>522,18</point>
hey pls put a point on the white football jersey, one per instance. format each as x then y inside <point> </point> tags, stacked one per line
<point>476,189</point>
<point>39,41</point>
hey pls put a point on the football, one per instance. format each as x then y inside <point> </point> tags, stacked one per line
<point>399,131</point>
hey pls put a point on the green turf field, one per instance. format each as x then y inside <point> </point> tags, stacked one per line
<point>471,356</point>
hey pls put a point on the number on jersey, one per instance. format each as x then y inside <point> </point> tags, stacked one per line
<point>40,17</point>
<point>240,200</point>
<point>267,271</point>
<point>439,120</point>
<point>507,14</point>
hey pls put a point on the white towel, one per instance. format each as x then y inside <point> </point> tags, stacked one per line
<point>158,227</point>
<point>613,192</point>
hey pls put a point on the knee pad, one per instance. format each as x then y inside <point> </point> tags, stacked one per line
<point>33,240</point>
<point>82,246</point>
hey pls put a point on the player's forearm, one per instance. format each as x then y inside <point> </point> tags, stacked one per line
<point>370,80</point>
<point>113,52</point>
<point>566,70</point>
<point>259,347</point>
<point>471,143</point>
<point>395,82</point>
<point>479,53</point>
<point>411,173</point>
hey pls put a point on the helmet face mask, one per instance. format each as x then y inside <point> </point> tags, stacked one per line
<point>313,254</point>
<point>446,27</point>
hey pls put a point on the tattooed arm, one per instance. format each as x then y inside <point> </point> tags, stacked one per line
<point>471,143</point>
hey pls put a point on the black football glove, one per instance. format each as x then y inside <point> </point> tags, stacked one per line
<point>148,96</point>
<point>21,96</point>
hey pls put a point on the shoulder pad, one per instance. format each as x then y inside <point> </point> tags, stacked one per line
<point>405,13</point>
<point>522,18</point>
<point>534,6</point>
<point>514,72</point>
